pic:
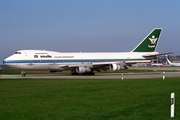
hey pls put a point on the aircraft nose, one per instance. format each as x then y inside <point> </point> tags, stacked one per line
<point>4,61</point>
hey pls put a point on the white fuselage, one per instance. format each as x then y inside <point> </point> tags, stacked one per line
<point>175,64</point>
<point>49,60</point>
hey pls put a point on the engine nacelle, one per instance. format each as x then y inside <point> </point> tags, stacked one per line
<point>114,67</point>
<point>83,69</point>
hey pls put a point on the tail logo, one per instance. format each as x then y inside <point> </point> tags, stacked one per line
<point>153,40</point>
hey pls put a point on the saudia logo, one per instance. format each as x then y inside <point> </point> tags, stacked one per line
<point>153,41</point>
<point>46,56</point>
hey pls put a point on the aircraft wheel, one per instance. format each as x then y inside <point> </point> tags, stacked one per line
<point>23,74</point>
<point>89,73</point>
<point>92,73</point>
<point>74,73</point>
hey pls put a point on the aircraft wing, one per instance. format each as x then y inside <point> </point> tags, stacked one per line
<point>97,66</point>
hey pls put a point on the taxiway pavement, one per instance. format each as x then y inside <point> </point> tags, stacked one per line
<point>108,75</point>
<point>98,76</point>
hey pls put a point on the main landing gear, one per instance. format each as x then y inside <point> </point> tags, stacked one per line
<point>89,73</point>
<point>23,74</point>
<point>86,73</point>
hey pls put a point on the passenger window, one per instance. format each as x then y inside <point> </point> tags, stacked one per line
<point>18,53</point>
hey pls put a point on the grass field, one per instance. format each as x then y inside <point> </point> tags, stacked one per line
<point>89,99</point>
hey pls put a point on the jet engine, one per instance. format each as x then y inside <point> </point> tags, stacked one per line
<point>83,69</point>
<point>116,67</point>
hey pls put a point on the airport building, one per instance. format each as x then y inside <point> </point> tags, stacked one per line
<point>161,59</point>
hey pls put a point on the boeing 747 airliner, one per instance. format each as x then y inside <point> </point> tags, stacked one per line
<point>86,63</point>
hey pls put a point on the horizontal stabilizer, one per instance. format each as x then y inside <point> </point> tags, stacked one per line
<point>156,55</point>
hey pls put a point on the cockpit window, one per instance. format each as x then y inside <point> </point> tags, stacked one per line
<point>18,53</point>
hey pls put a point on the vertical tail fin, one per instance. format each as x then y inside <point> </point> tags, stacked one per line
<point>168,61</point>
<point>149,43</point>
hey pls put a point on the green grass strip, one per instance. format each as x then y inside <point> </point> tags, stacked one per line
<point>88,99</point>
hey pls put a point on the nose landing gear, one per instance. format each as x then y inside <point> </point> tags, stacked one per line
<point>23,74</point>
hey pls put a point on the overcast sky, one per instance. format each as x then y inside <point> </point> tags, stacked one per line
<point>87,25</point>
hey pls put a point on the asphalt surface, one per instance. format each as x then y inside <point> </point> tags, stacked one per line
<point>99,76</point>
<point>156,68</point>
<point>108,75</point>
